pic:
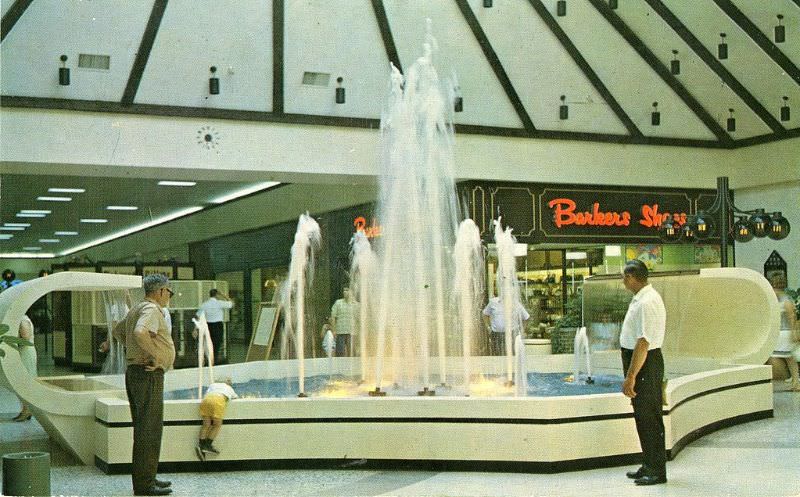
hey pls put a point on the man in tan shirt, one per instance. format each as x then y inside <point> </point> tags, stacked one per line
<point>149,353</point>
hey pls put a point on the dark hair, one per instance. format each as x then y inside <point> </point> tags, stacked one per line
<point>637,269</point>
<point>43,272</point>
<point>212,292</point>
<point>9,275</point>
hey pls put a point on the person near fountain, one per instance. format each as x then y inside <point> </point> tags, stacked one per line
<point>212,411</point>
<point>213,308</point>
<point>9,279</point>
<point>40,312</point>
<point>149,352</point>
<point>343,315</point>
<point>28,356</point>
<point>789,335</point>
<point>643,365</point>
<point>495,322</point>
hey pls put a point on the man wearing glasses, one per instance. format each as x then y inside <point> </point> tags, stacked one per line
<point>149,354</point>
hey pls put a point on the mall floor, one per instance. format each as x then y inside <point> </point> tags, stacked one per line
<point>761,458</point>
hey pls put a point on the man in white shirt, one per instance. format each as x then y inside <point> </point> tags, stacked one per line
<point>494,320</point>
<point>343,322</point>
<point>213,309</point>
<point>641,339</point>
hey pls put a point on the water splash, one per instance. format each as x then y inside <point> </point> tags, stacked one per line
<point>362,276</point>
<point>116,304</point>
<point>582,349</point>
<point>205,352</point>
<point>468,287</point>
<point>508,290</point>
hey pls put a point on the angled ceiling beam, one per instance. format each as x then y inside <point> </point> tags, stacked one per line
<point>711,61</point>
<point>143,53</point>
<point>12,16</point>
<point>585,67</point>
<point>796,2</point>
<point>760,38</point>
<point>660,69</point>
<point>494,62</point>
<point>386,34</point>
<point>278,15</point>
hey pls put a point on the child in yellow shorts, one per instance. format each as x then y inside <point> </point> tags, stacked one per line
<point>212,410</point>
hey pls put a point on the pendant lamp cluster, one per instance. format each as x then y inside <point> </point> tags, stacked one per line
<point>748,224</point>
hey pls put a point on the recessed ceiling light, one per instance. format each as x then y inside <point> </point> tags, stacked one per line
<point>24,225</point>
<point>65,233</point>
<point>95,221</point>
<point>12,228</point>
<point>49,240</point>
<point>244,191</point>
<point>55,199</point>
<point>122,208</point>
<point>66,190</point>
<point>177,183</point>
<point>35,211</point>
<point>32,248</point>
<point>28,255</point>
<point>4,236</point>
<point>25,214</point>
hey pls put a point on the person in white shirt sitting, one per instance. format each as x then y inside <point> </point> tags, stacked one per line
<point>213,309</point>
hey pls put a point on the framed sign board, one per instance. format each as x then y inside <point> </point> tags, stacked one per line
<point>264,332</point>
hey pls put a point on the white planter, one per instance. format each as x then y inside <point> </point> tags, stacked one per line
<point>538,346</point>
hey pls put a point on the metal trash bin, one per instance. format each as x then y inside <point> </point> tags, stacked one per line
<point>26,473</point>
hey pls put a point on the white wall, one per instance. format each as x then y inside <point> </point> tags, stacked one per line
<point>784,197</point>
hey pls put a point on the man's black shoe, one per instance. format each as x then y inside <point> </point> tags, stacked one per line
<point>154,490</point>
<point>162,483</point>
<point>651,480</point>
<point>633,475</point>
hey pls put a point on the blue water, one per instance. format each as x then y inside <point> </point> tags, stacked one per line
<point>539,385</point>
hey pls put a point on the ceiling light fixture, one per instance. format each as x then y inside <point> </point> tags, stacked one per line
<point>32,248</point>
<point>613,4</point>
<point>27,214</point>
<point>12,228</point>
<point>5,236</point>
<point>63,72</point>
<point>134,229</point>
<point>563,109</point>
<point>94,221</point>
<point>35,211</point>
<point>122,208</point>
<point>655,116</point>
<point>27,255</point>
<point>65,233</point>
<point>339,90</point>
<point>731,124</point>
<point>66,190</point>
<point>23,225</point>
<point>675,64</point>
<point>176,183</point>
<point>780,31</point>
<point>487,4</point>
<point>785,111</point>
<point>722,48</point>
<point>55,199</point>
<point>213,81</point>
<point>49,240</point>
<point>245,191</point>
<point>561,8</point>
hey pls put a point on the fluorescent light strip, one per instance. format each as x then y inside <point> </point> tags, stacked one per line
<point>245,191</point>
<point>25,214</point>
<point>35,211</point>
<point>24,225</point>
<point>55,199</point>
<point>66,190</point>
<point>177,183</point>
<point>12,228</point>
<point>4,236</point>
<point>27,255</point>
<point>49,240</point>
<point>122,208</point>
<point>31,248</point>
<point>65,233</point>
<point>94,221</point>
<point>134,229</point>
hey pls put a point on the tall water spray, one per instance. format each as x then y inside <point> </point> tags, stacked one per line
<point>468,287</point>
<point>508,288</point>
<point>362,277</point>
<point>301,274</point>
<point>116,303</point>
<point>205,352</point>
<point>418,212</point>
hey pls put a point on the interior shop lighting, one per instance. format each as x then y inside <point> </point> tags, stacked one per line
<point>133,229</point>
<point>65,233</point>
<point>55,199</point>
<point>245,191</point>
<point>94,221</point>
<point>613,251</point>
<point>176,183</point>
<point>576,256</point>
<point>66,190</point>
<point>520,249</point>
<point>122,208</point>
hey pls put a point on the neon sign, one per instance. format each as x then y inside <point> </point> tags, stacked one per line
<point>565,213</point>
<point>372,231</point>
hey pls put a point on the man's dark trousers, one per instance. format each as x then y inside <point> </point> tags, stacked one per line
<point>146,397</point>
<point>647,406</point>
<point>217,332</point>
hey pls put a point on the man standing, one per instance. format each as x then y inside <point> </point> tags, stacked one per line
<point>213,309</point>
<point>343,322</point>
<point>643,365</point>
<point>149,354</point>
<point>494,321</point>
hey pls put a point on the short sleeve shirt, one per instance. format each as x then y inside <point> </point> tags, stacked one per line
<point>646,318</point>
<point>344,314</point>
<point>148,316</point>
<point>494,309</point>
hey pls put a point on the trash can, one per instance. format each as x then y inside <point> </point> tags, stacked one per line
<point>26,473</point>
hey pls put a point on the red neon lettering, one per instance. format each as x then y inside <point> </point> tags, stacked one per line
<point>565,215</point>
